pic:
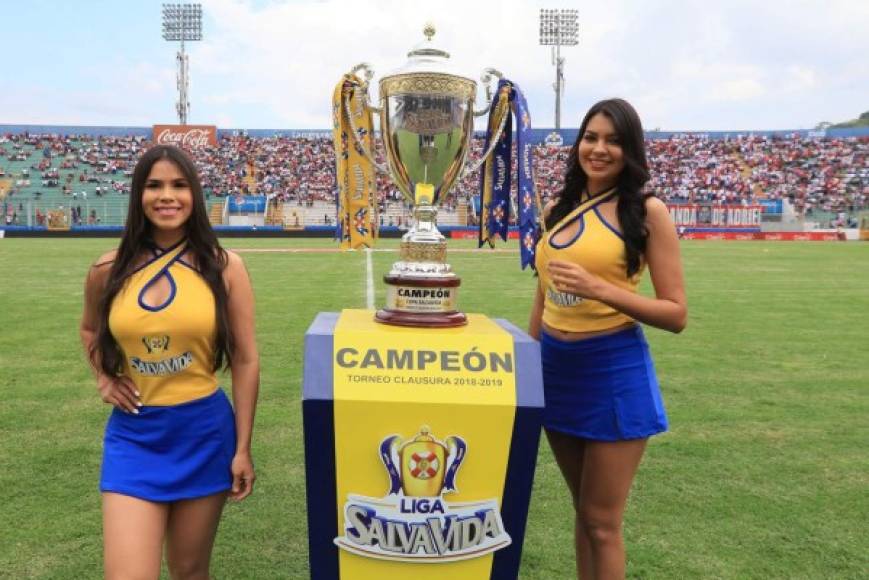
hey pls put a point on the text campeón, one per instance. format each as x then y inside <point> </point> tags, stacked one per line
<point>407,359</point>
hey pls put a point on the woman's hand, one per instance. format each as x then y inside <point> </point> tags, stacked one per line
<point>242,476</point>
<point>119,392</point>
<point>574,279</point>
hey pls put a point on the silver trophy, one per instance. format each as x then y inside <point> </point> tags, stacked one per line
<point>427,122</point>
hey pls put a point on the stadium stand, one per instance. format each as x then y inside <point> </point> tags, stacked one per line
<point>87,177</point>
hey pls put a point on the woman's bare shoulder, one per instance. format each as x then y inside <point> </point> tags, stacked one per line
<point>98,273</point>
<point>233,257</point>
<point>658,216</point>
<point>655,206</point>
<point>234,267</point>
<point>106,259</point>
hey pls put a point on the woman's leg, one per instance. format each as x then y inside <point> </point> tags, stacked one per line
<point>190,536</point>
<point>569,453</point>
<point>133,531</point>
<point>607,473</point>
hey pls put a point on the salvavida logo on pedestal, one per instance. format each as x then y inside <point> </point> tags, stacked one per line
<point>413,523</point>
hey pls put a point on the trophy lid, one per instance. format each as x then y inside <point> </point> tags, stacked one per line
<point>423,436</point>
<point>427,57</point>
<point>427,47</point>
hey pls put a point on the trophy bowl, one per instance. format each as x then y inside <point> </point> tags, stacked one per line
<point>427,121</point>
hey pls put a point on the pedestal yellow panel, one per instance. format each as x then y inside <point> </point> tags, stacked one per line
<point>420,447</point>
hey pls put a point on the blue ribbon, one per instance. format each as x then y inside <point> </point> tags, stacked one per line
<point>529,230</point>
<point>457,452</point>
<point>386,457</point>
<point>497,212</point>
<point>360,221</point>
<point>499,208</point>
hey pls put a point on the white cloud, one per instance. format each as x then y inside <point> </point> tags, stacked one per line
<point>743,89</point>
<point>801,78</point>
<point>685,64</point>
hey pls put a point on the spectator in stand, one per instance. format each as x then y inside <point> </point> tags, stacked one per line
<point>829,174</point>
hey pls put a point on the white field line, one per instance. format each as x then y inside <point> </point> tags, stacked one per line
<point>337,250</point>
<point>369,281</point>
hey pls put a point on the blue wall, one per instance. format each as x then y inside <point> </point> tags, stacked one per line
<point>537,135</point>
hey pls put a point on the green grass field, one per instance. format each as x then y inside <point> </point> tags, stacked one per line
<point>764,474</point>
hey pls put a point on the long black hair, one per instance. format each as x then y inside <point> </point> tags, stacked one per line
<point>202,243</point>
<point>631,208</point>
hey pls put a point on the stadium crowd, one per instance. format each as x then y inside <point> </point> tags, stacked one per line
<point>825,174</point>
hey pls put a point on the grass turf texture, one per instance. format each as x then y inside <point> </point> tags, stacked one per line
<point>763,475</point>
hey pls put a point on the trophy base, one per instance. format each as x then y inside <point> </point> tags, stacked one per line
<point>421,319</point>
<point>421,301</point>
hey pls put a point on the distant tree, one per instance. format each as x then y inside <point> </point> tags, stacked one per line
<point>861,121</point>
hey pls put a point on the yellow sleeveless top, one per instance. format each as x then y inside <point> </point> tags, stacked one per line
<point>599,248</point>
<point>168,348</point>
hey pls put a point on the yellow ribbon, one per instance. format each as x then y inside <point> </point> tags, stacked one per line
<point>357,200</point>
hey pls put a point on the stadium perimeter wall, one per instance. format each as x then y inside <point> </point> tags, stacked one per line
<point>537,135</point>
<point>222,231</point>
<point>393,232</point>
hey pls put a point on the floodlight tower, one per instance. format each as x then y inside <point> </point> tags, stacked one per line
<point>182,22</point>
<point>558,27</point>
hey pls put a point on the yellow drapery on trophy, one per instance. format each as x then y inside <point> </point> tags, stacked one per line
<point>357,200</point>
<point>502,108</point>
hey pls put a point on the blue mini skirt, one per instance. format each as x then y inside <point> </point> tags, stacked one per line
<point>602,388</point>
<point>170,453</point>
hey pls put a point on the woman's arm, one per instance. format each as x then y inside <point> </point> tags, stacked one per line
<point>117,391</point>
<point>93,288</point>
<point>535,320</point>
<point>245,371</point>
<point>668,309</point>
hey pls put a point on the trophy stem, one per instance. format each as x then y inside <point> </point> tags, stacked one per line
<point>422,289</point>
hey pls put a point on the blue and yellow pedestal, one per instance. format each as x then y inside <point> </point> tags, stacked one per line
<point>420,447</point>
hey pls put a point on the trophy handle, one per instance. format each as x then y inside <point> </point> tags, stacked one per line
<point>368,74</point>
<point>469,169</point>
<point>486,79</point>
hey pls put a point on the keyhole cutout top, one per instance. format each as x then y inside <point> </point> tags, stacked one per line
<point>157,292</point>
<point>568,233</point>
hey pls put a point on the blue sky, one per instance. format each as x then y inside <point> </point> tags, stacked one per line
<point>685,64</point>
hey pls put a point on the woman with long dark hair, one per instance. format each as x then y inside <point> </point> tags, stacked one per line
<point>602,395</point>
<point>162,314</point>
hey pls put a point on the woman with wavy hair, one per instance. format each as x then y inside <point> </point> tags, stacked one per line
<point>602,395</point>
<point>162,314</point>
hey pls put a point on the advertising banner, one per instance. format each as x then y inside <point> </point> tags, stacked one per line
<point>247,204</point>
<point>692,215</point>
<point>186,136</point>
<point>767,236</point>
<point>512,234</point>
<point>771,206</point>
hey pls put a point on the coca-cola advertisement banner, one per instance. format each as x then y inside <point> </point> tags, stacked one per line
<point>768,236</point>
<point>186,136</point>
<point>716,216</point>
<point>473,234</point>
